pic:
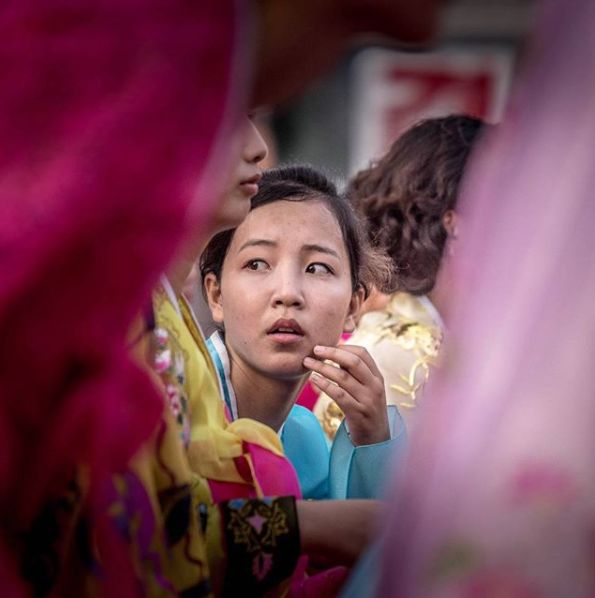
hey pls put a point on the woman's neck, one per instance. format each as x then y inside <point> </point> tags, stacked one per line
<point>177,274</point>
<point>261,398</point>
<point>376,301</point>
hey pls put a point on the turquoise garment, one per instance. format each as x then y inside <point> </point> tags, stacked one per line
<point>344,471</point>
<point>339,471</point>
<point>306,446</point>
<point>360,471</point>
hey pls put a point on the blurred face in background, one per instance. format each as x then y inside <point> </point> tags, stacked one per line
<point>250,148</point>
<point>239,174</point>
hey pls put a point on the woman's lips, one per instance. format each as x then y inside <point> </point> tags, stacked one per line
<point>286,332</point>
<point>250,186</point>
<point>286,338</point>
<point>250,189</point>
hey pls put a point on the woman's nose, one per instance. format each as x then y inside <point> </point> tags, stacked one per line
<point>255,147</point>
<point>288,291</point>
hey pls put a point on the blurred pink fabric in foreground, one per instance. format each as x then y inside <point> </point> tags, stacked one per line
<point>109,110</point>
<point>498,497</point>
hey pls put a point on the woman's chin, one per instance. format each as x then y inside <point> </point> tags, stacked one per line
<point>287,372</point>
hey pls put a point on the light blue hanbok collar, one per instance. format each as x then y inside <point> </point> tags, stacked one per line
<point>220,357</point>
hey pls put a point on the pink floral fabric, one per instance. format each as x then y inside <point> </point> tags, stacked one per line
<point>498,495</point>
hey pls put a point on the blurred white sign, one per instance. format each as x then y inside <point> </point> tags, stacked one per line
<point>393,90</point>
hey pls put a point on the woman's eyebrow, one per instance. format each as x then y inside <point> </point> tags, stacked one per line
<point>314,247</point>
<point>258,243</point>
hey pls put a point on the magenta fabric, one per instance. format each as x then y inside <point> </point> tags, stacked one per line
<point>274,475</point>
<point>308,396</point>
<point>498,494</point>
<point>324,584</point>
<point>109,111</point>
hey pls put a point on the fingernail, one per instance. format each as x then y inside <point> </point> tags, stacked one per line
<point>319,350</point>
<point>309,361</point>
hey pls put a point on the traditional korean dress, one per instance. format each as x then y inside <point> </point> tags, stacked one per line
<point>253,543</point>
<point>336,469</point>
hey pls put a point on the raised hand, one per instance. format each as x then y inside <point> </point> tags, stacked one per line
<point>357,386</point>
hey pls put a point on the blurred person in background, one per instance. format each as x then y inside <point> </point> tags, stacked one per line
<point>408,200</point>
<point>500,500</point>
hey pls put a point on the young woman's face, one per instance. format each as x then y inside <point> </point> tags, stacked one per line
<point>285,287</point>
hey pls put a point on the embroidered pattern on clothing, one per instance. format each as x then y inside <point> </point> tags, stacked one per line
<point>262,541</point>
<point>257,525</point>
<point>423,341</point>
<point>168,363</point>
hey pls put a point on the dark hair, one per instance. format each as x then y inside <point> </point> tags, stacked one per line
<point>301,183</point>
<point>404,196</point>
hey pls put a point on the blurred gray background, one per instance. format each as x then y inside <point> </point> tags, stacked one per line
<point>317,127</point>
<point>327,126</point>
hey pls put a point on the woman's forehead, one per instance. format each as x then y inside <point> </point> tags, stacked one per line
<point>292,222</point>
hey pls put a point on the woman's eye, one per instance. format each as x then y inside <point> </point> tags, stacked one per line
<point>256,265</point>
<point>318,268</point>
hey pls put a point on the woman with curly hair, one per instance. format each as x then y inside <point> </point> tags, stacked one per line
<point>408,199</point>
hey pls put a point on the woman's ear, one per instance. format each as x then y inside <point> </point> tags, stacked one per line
<point>213,293</point>
<point>450,221</point>
<point>355,305</point>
